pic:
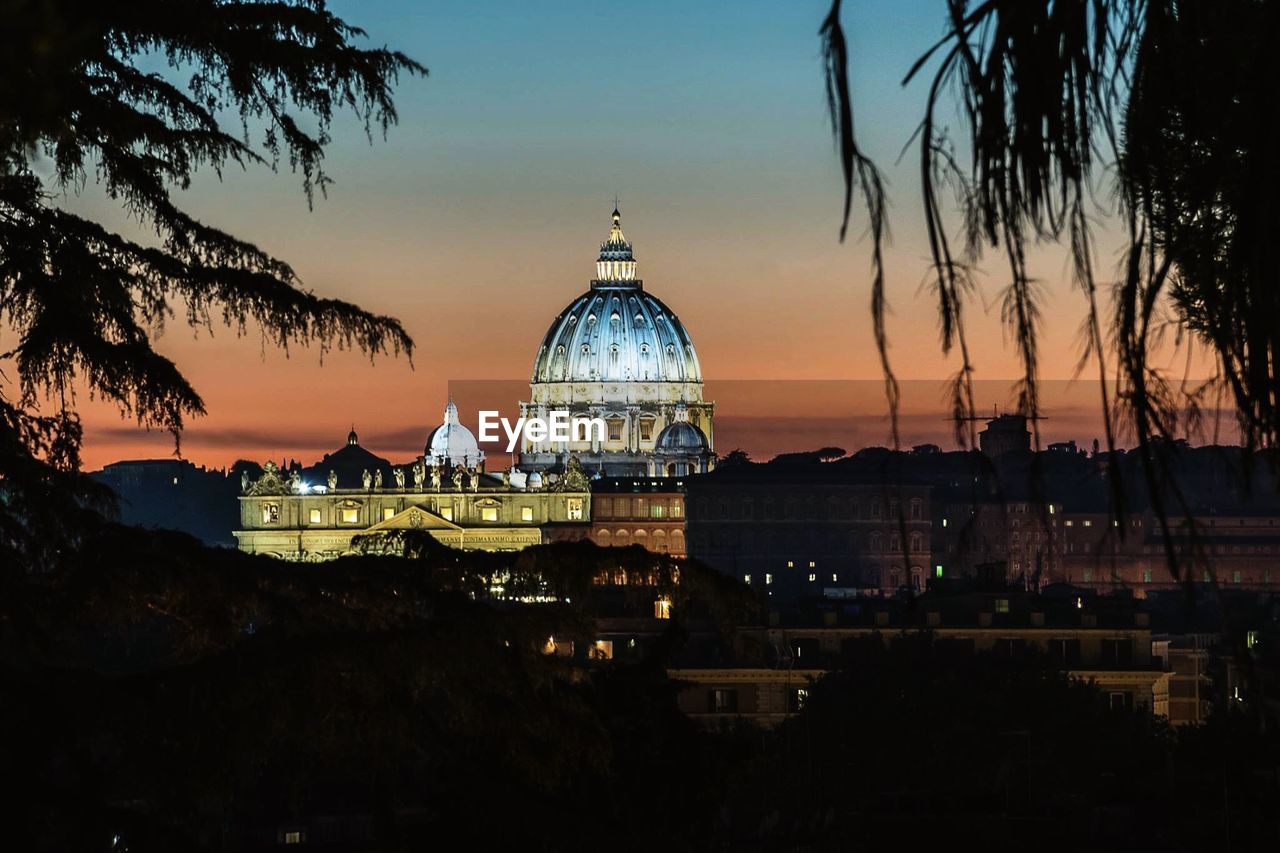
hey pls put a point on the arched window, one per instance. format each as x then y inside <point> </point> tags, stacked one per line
<point>917,543</point>
<point>660,541</point>
<point>677,541</point>
<point>604,538</point>
<point>622,538</point>
<point>873,541</point>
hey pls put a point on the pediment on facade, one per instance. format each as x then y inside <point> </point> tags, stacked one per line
<point>418,517</point>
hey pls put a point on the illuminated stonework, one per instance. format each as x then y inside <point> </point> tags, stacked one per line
<point>287,517</point>
<point>618,353</point>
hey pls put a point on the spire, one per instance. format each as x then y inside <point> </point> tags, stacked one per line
<point>451,412</point>
<point>616,264</point>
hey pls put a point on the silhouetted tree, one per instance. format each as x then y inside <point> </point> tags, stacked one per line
<point>1175,95</point>
<point>80,98</point>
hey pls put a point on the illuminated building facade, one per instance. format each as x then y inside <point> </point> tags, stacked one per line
<point>316,514</point>
<point>639,511</point>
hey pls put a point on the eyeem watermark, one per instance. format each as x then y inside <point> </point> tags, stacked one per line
<point>558,427</point>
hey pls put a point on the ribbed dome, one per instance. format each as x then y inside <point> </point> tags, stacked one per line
<point>616,331</point>
<point>681,437</point>
<point>617,334</point>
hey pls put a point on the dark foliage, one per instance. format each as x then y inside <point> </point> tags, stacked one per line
<point>1051,93</point>
<point>916,745</point>
<point>137,97</point>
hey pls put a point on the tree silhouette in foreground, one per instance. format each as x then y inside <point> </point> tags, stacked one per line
<point>241,84</point>
<point>1165,107</point>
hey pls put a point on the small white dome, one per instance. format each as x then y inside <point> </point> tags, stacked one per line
<point>452,443</point>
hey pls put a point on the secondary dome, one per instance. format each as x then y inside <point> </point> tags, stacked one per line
<point>452,443</point>
<point>616,332</point>
<point>681,437</point>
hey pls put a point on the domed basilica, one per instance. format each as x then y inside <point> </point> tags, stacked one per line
<point>618,353</point>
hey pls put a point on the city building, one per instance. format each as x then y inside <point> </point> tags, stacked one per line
<point>810,530</point>
<point>317,513</point>
<point>769,672</point>
<point>641,511</point>
<point>619,354</point>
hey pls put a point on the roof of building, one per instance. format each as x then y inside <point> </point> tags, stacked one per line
<point>616,331</point>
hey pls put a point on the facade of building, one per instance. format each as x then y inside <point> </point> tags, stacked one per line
<point>1039,544</point>
<point>805,531</point>
<point>773,667</point>
<point>619,354</point>
<point>639,511</point>
<point>316,514</point>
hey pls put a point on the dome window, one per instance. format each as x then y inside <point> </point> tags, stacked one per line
<point>573,319</point>
<point>586,349</point>
<point>591,318</point>
<point>644,349</point>
<point>613,318</point>
<point>671,349</point>
<point>560,350</point>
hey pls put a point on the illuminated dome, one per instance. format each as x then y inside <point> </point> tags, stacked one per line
<point>616,332</point>
<point>452,443</point>
<point>619,355</point>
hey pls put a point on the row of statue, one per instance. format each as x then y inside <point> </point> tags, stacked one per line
<point>272,483</point>
<point>462,478</point>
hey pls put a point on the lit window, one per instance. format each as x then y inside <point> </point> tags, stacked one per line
<point>602,650</point>
<point>791,564</point>
<point>724,701</point>
<point>315,516</point>
<point>1235,577</point>
<point>488,513</point>
<point>574,509</point>
<point>1146,576</point>
<point>768,578</point>
<point>1068,523</point>
<point>677,509</point>
<point>1002,605</point>
<point>746,579</point>
<point>388,512</point>
<point>834,577</point>
<point>270,513</point>
<point>812,577</point>
<point>350,515</point>
<point>526,513</point>
<point>662,608</point>
<point>944,522</point>
<point>294,837</point>
<point>657,510</point>
<point>1251,639</point>
<point>937,571</point>
<point>1087,523</point>
<point>812,564</point>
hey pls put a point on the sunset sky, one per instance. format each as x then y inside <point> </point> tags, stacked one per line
<point>480,217</point>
